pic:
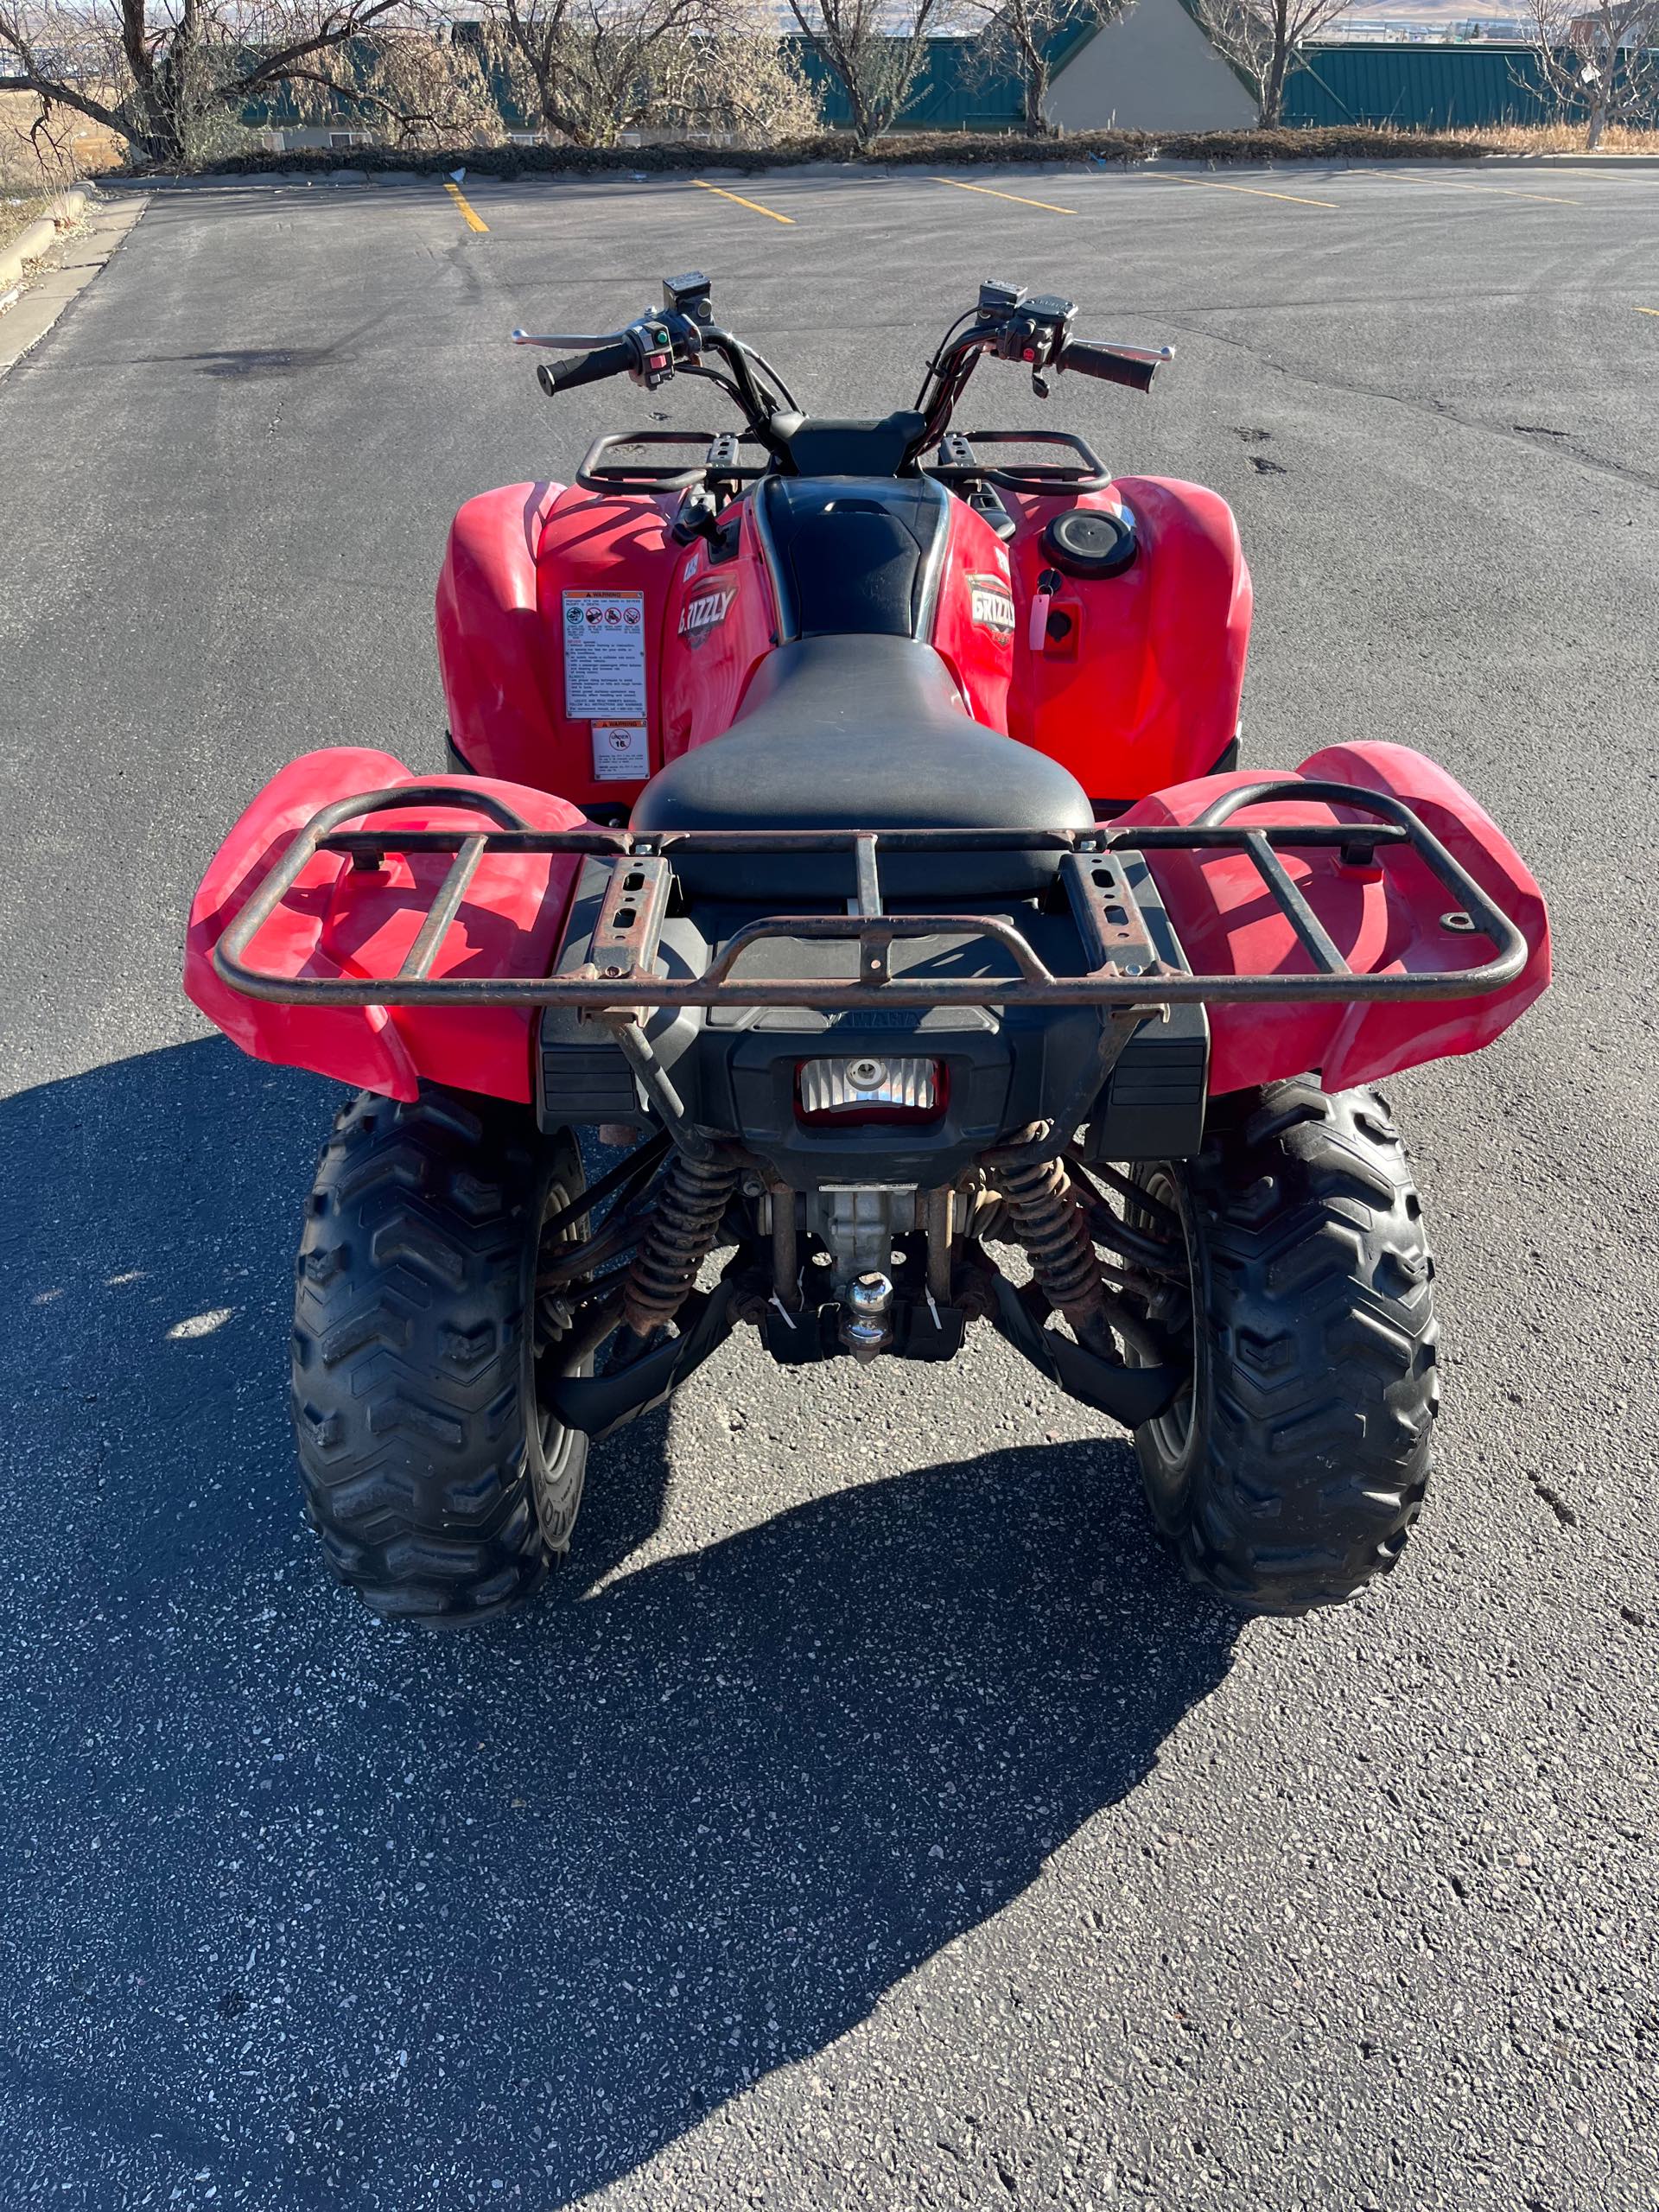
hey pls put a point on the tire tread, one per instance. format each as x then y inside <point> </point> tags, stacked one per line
<point>1324,1386</point>
<point>407,1347</point>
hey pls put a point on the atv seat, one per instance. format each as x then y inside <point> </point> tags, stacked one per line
<point>862,733</point>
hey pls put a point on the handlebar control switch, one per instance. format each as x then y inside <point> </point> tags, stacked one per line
<point>1035,331</point>
<point>653,347</point>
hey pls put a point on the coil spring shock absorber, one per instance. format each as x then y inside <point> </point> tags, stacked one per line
<point>1054,1230</point>
<point>680,1238</point>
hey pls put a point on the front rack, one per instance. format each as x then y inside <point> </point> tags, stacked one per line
<point>960,466</point>
<point>957,464</point>
<point>717,462</point>
<point>1124,970</point>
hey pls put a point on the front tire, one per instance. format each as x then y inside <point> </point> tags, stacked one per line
<point>1290,1471</point>
<point>440,1482</point>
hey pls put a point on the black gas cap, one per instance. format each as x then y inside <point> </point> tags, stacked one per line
<point>1089,542</point>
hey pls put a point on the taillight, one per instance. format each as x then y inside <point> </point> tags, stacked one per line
<point>836,1094</point>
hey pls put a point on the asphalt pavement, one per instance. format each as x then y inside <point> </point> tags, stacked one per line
<point>869,1815</point>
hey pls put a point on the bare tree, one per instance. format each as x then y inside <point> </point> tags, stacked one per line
<point>874,48</point>
<point>1597,59</point>
<point>404,84</point>
<point>1016,38</point>
<point>591,69</point>
<point>1263,41</point>
<point>172,76</point>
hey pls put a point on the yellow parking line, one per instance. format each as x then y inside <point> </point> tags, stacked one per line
<point>1456,184</point>
<point>1047,205</point>
<point>1255,191</point>
<point>474,220</point>
<point>1648,310</point>
<point>740,202</point>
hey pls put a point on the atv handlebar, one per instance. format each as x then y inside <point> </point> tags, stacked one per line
<point>605,358</point>
<point>682,336</point>
<point>1134,365</point>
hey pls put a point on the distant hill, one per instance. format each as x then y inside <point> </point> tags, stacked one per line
<point>1440,15</point>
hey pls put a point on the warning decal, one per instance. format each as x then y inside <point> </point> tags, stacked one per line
<point>604,656</point>
<point>622,754</point>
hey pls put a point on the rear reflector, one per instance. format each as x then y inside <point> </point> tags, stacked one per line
<point>869,1090</point>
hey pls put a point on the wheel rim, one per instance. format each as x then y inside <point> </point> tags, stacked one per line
<point>552,1446</point>
<point>1170,1432</point>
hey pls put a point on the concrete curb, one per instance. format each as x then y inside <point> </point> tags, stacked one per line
<point>1576,160</point>
<point>37,305</point>
<point>41,236</point>
<point>1047,171</point>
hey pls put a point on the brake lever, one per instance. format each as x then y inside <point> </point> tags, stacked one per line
<point>1159,356</point>
<point>574,345</point>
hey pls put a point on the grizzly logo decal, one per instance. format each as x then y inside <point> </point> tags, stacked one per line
<point>700,615</point>
<point>990,603</point>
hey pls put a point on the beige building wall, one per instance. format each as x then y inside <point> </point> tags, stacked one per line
<point>1152,69</point>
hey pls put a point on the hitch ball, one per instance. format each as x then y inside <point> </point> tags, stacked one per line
<point>866,1322</point>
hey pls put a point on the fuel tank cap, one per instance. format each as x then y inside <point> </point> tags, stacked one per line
<point>1089,542</point>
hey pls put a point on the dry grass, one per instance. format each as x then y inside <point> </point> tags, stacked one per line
<point>71,147</point>
<point>17,211</point>
<point>36,168</point>
<point>1560,138</point>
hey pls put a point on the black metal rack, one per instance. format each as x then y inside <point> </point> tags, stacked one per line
<point>718,461</point>
<point>1124,970</point>
<point>1088,472</point>
<point>957,464</point>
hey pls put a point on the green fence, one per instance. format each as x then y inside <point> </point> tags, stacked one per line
<point>953,90</point>
<point>1420,87</point>
<point>1414,88</point>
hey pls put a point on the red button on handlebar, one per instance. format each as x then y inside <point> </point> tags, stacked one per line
<point>657,360</point>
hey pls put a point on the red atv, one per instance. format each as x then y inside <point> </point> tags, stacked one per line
<point>844,824</point>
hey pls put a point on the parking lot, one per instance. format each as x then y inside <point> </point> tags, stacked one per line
<point>870,1815</point>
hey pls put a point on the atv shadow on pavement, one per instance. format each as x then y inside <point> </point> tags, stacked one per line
<point>381,1917</point>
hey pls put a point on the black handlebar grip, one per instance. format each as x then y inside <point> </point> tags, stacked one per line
<point>1112,368</point>
<point>555,377</point>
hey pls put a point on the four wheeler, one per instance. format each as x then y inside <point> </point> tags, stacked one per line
<point>844,825</point>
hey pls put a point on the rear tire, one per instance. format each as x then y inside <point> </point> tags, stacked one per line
<point>440,1485</point>
<point>1289,1474</point>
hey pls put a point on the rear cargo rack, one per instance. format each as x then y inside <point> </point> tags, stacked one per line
<point>1124,967</point>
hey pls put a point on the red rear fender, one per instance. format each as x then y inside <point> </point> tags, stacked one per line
<point>1383,920</point>
<point>336,922</point>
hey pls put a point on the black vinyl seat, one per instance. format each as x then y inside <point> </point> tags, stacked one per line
<point>862,733</point>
